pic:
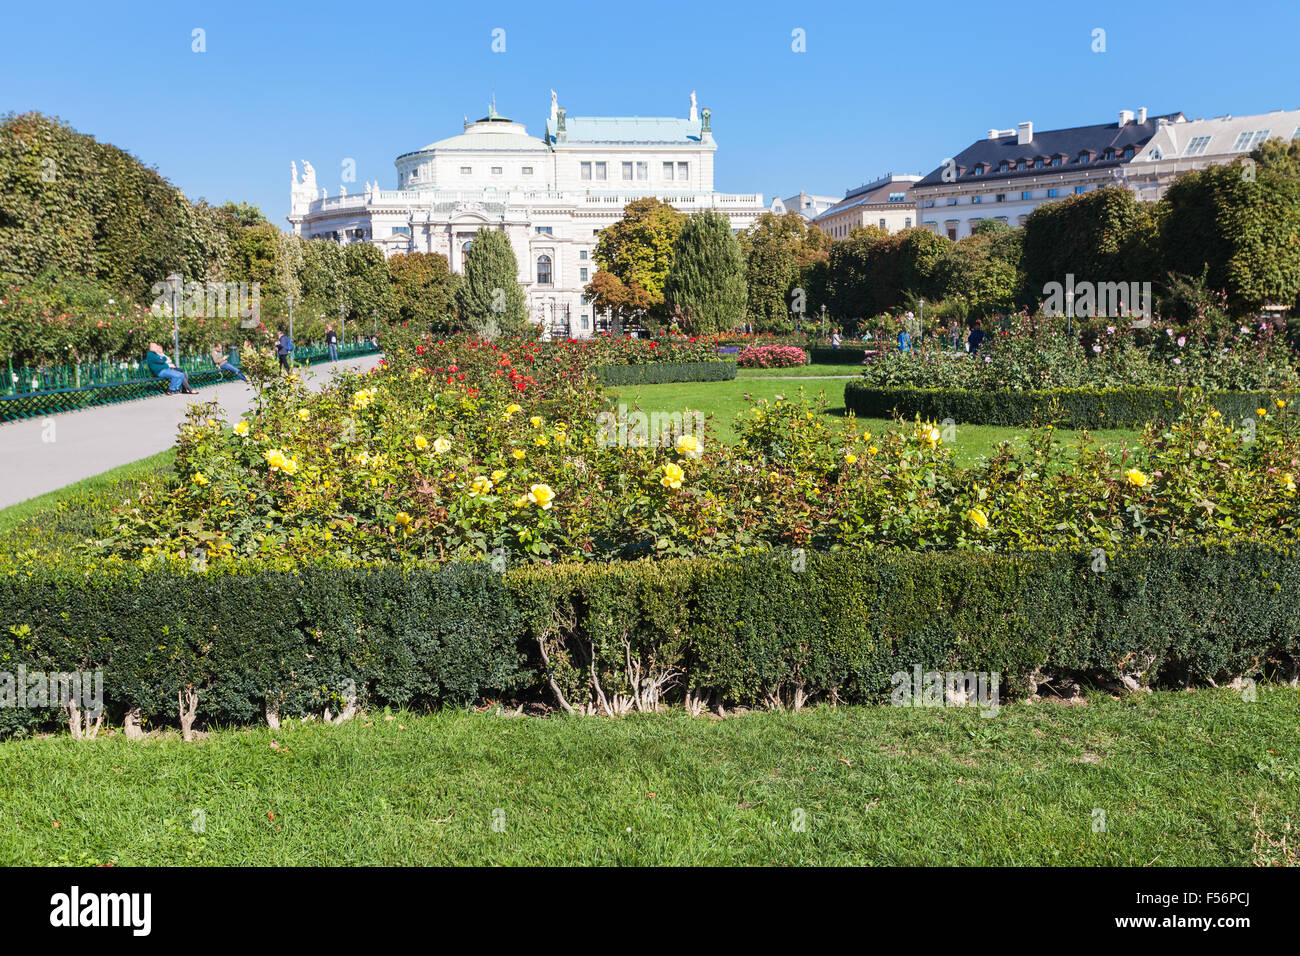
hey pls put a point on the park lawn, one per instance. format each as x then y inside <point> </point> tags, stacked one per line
<point>802,371</point>
<point>1182,778</point>
<point>15,514</point>
<point>725,400</point>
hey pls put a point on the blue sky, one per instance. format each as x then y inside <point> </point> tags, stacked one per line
<point>895,87</point>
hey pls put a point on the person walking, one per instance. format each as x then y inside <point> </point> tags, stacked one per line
<point>836,339</point>
<point>904,341</point>
<point>160,366</point>
<point>225,362</point>
<point>284,350</point>
<point>976,338</point>
<point>332,343</point>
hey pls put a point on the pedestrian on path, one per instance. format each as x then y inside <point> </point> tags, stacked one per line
<point>332,343</point>
<point>284,349</point>
<point>976,338</point>
<point>225,362</point>
<point>160,366</point>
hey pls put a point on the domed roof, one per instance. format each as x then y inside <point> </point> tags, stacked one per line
<point>492,132</point>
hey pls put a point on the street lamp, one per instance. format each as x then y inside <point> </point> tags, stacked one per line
<point>175,281</point>
<point>823,320</point>
<point>921,321</point>
<point>343,325</point>
<point>289,300</point>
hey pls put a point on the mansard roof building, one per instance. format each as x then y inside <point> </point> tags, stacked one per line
<point>551,194</point>
<point>1011,172</point>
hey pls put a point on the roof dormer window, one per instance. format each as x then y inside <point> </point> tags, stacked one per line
<point>1003,166</point>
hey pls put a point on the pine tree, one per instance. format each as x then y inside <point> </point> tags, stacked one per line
<point>491,298</point>
<point>706,289</point>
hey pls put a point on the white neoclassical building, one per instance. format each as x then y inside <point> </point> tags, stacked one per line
<point>552,195</point>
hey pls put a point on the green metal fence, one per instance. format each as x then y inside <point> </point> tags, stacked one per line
<point>28,393</point>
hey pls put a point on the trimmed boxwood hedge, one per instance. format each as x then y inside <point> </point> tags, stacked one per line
<point>661,373</point>
<point>1078,407</point>
<point>844,355</point>
<point>752,631</point>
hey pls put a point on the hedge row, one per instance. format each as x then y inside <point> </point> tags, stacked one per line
<point>661,373</point>
<point>754,631</point>
<point>1067,407</point>
<point>845,355</point>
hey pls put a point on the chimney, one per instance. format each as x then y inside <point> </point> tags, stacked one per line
<point>1125,117</point>
<point>1024,133</point>
<point>1142,114</point>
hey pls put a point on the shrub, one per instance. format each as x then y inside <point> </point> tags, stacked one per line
<point>772,356</point>
<point>659,373</point>
<point>764,630</point>
<point>1074,408</point>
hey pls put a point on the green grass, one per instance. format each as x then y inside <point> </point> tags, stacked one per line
<point>725,400</point>
<point>801,371</point>
<point>1198,778</point>
<point>15,514</point>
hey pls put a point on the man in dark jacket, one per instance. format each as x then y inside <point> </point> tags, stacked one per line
<point>160,366</point>
<point>284,349</point>
<point>332,342</point>
<point>976,338</point>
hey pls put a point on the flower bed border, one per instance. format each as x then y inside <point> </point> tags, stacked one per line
<point>764,630</point>
<point>663,373</point>
<point>1080,407</point>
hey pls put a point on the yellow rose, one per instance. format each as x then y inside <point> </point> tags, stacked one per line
<point>850,458</point>
<point>541,495</point>
<point>1280,403</point>
<point>688,446</point>
<point>1136,478</point>
<point>421,442</point>
<point>518,454</point>
<point>512,408</point>
<point>290,466</point>
<point>241,429</point>
<point>441,445</point>
<point>873,450</point>
<point>403,521</point>
<point>498,475</point>
<point>931,436</point>
<point>304,414</point>
<point>536,421</point>
<point>198,478</point>
<point>1261,412</point>
<point>1288,481</point>
<point>673,476</point>
<point>480,486</point>
<point>978,518</point>
<point>540,441</point>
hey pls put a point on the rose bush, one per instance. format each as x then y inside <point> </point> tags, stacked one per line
<point>772,356</point>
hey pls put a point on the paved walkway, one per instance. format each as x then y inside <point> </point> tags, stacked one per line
<point>43,454</point>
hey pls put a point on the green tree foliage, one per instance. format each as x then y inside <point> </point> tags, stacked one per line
<point>1239,226</point>
<point>623,300</point>
<point>490,297</point>
<point>366,282</point>
<point>705,291</point>
<point>849,284</point>
<point>1085,236</point>
<point>639,247</point>
<point>777,250</point>
<point>423,288</point>
<point>94,210</point>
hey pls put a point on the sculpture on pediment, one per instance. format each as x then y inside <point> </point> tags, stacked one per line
<point>705,116</point>
<point>308,176</point>
<point>695,113</point>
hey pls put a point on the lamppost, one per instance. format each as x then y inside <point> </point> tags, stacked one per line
<point>823,320</point>
<point>343,325</point>
<point>289,300</point>
<point>375,314</point>
<point>920,322</point>
<point>175,281</point>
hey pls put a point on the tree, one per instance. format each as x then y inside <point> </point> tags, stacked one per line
<point>1084,236</point>
<point>639,247</point>
<point>777,250</point>
<point>423,287</point>
<point>1238,225</point>
<point>367,286</point>
<point>608,293</point>
<point>849,275</point>
<point>490,297</point>
<point>705,289</point>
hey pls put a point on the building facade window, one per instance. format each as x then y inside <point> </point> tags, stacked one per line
<point>496,170</point>
<point>627,171</point>
<point>1051,194</point>
<point>600,171</point>
<point>527,170</point>
<point>543,230</point>
<point>543,270</point>
<point>907,223</point>
<point>582,275</point>
<point>668,171</point>
<point>584,170</point>
<point>582,253</point>
<point>642,171</point>
<point>682,173</point>
<point>1080,189</point>
<point>1026,194</point>
<point>976,200</point>
<point>1000,197</point>
<point>466,171</point>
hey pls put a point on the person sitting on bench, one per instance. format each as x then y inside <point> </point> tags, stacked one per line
<point>226,362</point>
<point>161,366</point>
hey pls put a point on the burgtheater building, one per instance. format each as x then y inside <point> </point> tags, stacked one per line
<point>551,194</point>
